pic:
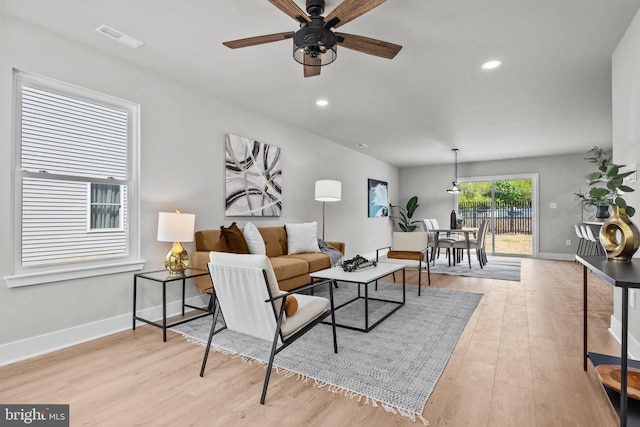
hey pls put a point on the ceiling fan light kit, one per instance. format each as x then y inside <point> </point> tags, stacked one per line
<point>315,44</point>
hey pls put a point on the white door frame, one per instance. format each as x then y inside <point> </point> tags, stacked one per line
<point>534,177</point>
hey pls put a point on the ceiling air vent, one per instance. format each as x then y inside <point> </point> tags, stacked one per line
<point>114,34</point>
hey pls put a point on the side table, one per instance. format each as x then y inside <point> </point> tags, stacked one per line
<point>163,276</point>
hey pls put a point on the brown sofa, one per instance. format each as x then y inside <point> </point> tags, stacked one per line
<point>292,271</point>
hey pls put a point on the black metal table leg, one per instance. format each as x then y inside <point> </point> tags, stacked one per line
<point>366,306</point>
<point>135,295</point>
<point>164,311</point>
<point>183,285</point>
<point>623,358</point>
<point>584,316</point>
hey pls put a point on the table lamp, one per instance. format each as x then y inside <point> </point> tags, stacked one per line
<point>328,190</point>
<point>176,227</point>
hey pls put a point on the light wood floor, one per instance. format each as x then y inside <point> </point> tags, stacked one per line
<point>518,363</point>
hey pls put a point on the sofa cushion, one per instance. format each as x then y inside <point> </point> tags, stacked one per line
<point>234,238</point>
<point>286,267</point>
<point>316,261</point>
<point>302,238</point>
<point>206,240</point>
<point>254,239</point>
<point>275,240</point>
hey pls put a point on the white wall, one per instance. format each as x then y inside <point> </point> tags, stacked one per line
<point>182,166</point>
<point>559,178</point>
<point>626,147</point>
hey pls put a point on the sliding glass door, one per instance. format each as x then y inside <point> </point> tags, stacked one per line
<point>508,204</point>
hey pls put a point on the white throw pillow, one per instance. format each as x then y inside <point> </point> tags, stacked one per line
<point>302,238</point>
<point>254,240</point>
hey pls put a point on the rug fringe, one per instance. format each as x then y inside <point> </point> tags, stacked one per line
<point>323,385</point>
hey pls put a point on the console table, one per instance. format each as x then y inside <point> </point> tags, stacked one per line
<point>624,275</point>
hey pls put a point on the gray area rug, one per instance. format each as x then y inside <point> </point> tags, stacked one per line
<point>500,268</point>
<point>396,365</point>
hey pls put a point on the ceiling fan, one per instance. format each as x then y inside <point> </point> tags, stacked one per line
<point>315,44</point>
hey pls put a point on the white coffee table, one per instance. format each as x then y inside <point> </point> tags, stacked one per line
<point>364,277</point>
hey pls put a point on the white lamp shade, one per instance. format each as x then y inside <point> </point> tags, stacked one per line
<point>176,227</point>
<point>328,190</point>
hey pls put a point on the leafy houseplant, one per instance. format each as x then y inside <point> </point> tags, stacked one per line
<point>607,183</point>
<point>404,220</point>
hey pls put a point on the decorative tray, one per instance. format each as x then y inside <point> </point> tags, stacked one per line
<point>610,376</point>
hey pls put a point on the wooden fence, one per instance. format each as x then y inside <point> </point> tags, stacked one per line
<point>507,219</point>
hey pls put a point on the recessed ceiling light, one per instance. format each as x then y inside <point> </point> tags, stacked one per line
<point>322,102</point>
<point>491,65</point>
<point>119,36</point>
<point>362,145</point>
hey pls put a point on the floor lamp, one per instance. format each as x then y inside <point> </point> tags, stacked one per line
<point>328,190</point>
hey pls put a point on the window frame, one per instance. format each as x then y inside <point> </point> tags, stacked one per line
<point>33,275</point>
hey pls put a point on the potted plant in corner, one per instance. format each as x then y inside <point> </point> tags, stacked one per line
<point>404,220</point>
<point>607,184</point>
<point>618,235</point>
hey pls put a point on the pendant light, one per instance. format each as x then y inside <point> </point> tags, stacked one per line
<point>454,185</point>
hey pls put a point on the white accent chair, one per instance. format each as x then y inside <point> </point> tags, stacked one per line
<point>246,292</point>
<point>412,250</point>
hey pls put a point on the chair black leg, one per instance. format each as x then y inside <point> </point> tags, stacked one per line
<point>213,327</point>
<point>273,353</point>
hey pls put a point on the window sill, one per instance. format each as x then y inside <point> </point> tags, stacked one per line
<point>71,273</point>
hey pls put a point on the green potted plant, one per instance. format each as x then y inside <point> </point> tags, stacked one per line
<point>607,183</point>
<point>404,220</point>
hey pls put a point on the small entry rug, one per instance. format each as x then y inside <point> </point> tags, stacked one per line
<point>500,268</point>
<point>396,365</point>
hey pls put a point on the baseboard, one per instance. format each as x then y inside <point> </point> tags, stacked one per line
<point>35,346</point>
<point>556,256</point>
<point>633,346</point>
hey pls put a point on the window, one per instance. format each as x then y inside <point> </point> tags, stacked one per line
<point>75,182</point>
<point>105,208</point>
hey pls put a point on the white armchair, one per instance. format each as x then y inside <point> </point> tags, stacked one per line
<point>247,293</point>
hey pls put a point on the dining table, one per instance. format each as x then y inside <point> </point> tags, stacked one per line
<point>464,230</point>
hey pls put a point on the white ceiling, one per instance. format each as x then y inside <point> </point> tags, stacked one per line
<point>552,96</point>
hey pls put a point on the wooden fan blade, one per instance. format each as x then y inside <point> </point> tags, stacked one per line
<point>252,41</point>
<point>311,66</point>
<point>291,9</point>
<point>349,10</point>
<point>367,45</point>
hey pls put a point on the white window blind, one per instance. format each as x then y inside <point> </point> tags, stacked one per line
<point>74,175</point>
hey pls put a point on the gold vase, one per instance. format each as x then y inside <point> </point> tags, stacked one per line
<point>619,236</point>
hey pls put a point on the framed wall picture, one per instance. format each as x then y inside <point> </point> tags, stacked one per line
<point>253,178</point>
<point>378,197</point>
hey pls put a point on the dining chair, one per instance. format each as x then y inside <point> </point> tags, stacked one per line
<point>248,296</point>
<point>478,245</point>
<point>596,247</point>
<point>431,225</point>
<point>581,240</point>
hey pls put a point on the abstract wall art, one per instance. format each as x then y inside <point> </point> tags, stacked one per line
<point>378,196</point>
<point>253,178</point>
